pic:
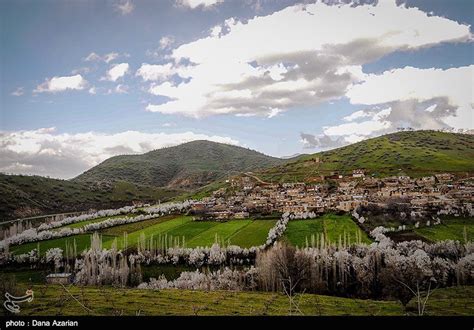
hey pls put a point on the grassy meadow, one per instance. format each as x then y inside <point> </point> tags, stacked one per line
<point>332,227</point>
<point>245,233</point>
<point>458,229</point>
<point>54,300</point>
<point>82,242</point>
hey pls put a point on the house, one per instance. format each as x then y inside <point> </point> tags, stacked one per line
<point>358,173</point>
<point>293,208</point>
<point>59,278</point>
<point>444,177</point>
<point>221,215</point>
<point>241,215</point>
<point>198,207</point>
<point>426,181</point>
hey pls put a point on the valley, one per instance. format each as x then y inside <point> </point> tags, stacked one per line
<point>244,235</point>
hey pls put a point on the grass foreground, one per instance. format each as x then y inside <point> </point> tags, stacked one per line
<point>57,300</point>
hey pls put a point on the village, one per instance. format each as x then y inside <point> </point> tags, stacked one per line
<point>245,196</point>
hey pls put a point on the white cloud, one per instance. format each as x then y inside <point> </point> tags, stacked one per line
<point>302,55</point>
<point>92,57</point>
<point>116,71</point>
<point>364,128</point>
<point>92,90</point>
<point>216,31</point>
<point>109,57</point>
<point>320,141</point>
<point>125,7</point>
<point>45,152</point>
<point>274,112</point>
<point>356,115</point>
<point>168,125</point>
<point>166,42</point>
<point>60,84</point>
<point>18,92</point>
<point>198,3</point>
<point>422,85</point>
<point>82,70</point>
<point>164,46</point>
<point>121,89</point>
<point>152,72</point>
<point>401,98</point>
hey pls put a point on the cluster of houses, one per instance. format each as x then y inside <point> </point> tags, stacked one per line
<point>244,196</point>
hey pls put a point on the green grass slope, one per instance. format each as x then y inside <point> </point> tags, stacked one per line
<point>415,153</point>
<point>25,196</point>
<point>188,165</point>
<point>108,301</point>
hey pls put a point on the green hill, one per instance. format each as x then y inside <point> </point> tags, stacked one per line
<point>187,166</point>
<point>415,153</point>
<point>24,196</point>
<point>156,175</point>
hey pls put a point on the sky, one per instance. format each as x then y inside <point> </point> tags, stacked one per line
<point>82,81</point>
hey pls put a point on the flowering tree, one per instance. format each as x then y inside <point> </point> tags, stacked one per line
<point>54,255</point>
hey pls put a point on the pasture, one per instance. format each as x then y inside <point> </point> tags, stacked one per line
<point>245,233</point>
<point>82,242</point>
<point>332,227</point>
<point>52,300</point>
<point>180,230</point>
<point>452,228</point>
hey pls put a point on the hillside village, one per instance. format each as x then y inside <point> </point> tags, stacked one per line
<point>423,197</point>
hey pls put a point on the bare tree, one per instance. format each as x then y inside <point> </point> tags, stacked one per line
<point>289,287</point>
<point>418,294</point>
<point>69,294</point>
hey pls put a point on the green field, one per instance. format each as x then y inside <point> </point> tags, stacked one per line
<point>144,225</point>
<point>83,242</point>
<point>86,222</point>
<point>333,227</point>
<point>254,234</point>
<point>220,232</point>
<point>245,233</point>
<point>52,300</point>
<point>161,227</point>
<point>451,228</point>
